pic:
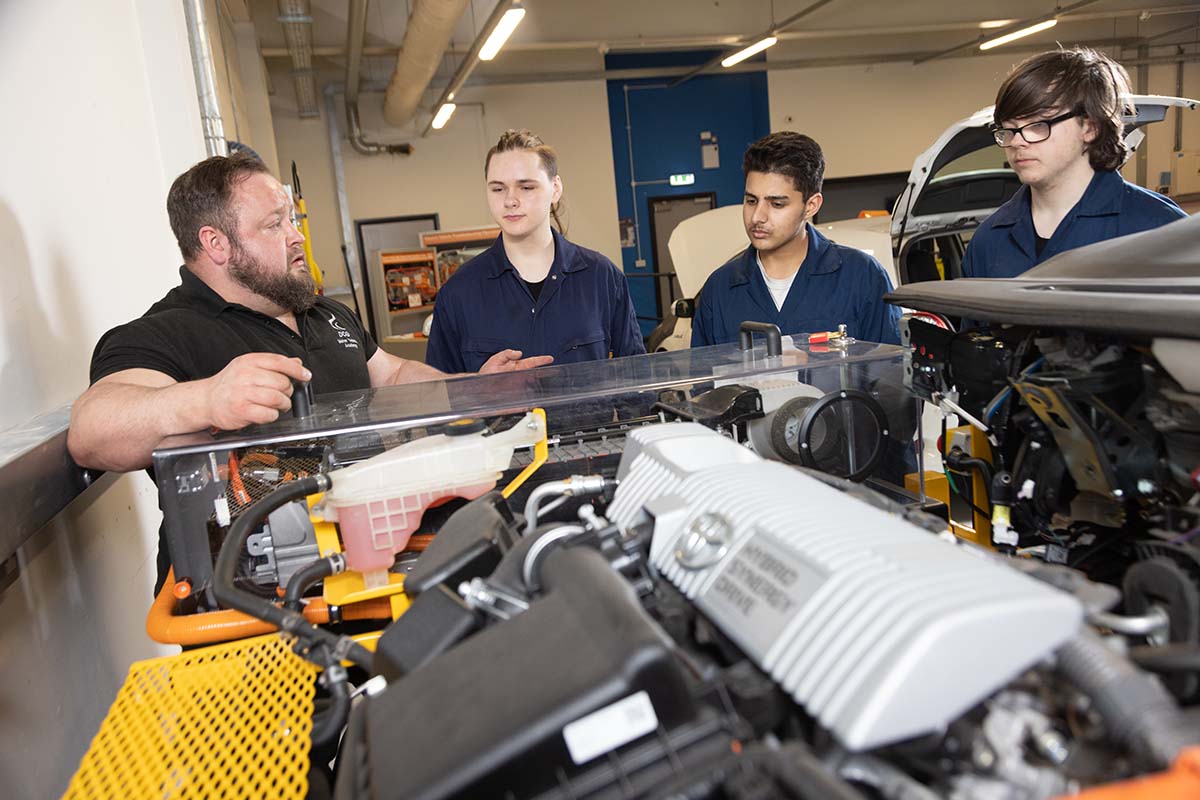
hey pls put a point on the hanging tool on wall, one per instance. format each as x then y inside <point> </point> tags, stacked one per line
<point>302,213</point>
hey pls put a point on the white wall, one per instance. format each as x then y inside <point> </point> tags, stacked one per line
<point>444,175</point>
<point>108,117</point>
<point>878,118</point>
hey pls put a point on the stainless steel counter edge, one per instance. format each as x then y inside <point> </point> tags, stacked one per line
<point>37,476</point>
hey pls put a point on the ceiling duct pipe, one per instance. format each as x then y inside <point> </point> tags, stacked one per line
<point>295,16</point>
<point>206,78</point>
<point>472,59</point>
<point>425,40</point>
<point>355,31</point>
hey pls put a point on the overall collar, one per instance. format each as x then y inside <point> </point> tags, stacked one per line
<point>1102,197</point>
<point>821,258</point>
<point>566,257</point>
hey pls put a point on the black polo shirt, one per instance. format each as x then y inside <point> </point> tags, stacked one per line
<point>192,333</point>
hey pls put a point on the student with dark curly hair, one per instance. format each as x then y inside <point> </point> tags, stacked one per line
<point>1058,118</point>
<point>791,275</point>
<point>532,288</point>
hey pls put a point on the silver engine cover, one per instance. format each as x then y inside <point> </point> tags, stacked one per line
<point>880,630</point>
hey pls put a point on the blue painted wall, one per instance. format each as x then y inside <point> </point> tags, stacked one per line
<point>666,127</point>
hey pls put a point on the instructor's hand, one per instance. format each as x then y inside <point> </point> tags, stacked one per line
<point>511,361</point>
<point>253,388</point>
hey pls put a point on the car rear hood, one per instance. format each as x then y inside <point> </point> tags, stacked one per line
<point>970,135</point>
<point>1144,285</point>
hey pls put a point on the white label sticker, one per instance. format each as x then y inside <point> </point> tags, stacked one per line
<point>610,727</point>
<point>221,506</point>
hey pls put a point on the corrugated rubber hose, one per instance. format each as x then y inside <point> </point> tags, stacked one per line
<point>1140,713</point>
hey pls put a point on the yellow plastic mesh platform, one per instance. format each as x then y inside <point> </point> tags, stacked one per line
<point>233,720</point>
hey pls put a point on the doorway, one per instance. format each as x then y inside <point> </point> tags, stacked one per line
<point>385,233</point>
<point>665,214</point>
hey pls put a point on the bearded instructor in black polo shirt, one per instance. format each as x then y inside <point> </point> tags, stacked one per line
<point>222,348</point>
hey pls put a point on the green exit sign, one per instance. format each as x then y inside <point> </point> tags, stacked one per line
<point>683,179</point>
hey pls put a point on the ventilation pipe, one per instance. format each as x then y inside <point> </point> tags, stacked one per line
<point>296,18</point>
<point>355,31</point>
<point>471,61</point>
<point>206,79</point>
<point>425,41</point>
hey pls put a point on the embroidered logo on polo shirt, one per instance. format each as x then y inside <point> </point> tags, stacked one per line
<point>344,337</point>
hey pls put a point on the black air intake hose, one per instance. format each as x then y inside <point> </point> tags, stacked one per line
<point>1139,712</point>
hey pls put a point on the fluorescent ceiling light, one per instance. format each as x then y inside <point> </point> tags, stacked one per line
<point>504,28</point>
<point>1010,37</point>
<point>442,116</point>
<point>742,55</point>
<point>997,23</point>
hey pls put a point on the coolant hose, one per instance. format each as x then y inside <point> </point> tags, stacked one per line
<point>1139,712</point>
<point>210,627</point>
<point>309,574</point>
<point>288,621</point>
<point>329,723</point>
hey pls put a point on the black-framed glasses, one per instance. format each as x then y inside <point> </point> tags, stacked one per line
<point>1032,132</point>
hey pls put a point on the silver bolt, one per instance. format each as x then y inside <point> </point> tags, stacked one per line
<point>1052,746</point>
<point>1146,486</point>
<point>711,527</point>
<point>475,593</point>
<point>983,757</point>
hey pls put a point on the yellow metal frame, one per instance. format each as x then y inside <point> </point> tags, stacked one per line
<point>541,451</point>
<point>938,487</point>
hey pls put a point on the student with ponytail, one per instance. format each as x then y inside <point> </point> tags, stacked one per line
<point>533,290</point>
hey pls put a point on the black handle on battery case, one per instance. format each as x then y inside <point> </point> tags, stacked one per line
<point>746,333</point>
<point>302,399</point>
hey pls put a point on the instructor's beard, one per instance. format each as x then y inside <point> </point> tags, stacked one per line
<point>291,290</point>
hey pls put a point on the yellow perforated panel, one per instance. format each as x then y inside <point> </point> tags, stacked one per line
<point>230,721</point>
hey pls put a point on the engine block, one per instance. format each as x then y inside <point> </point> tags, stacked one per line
<point>878,628</point>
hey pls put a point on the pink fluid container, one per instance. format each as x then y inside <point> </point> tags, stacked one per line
<point>378,503</point>
<point>373,532</point>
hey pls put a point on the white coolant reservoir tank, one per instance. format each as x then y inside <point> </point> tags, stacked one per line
<point>378,503</point>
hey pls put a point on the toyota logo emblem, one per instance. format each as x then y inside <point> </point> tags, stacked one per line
<point>705,542</point>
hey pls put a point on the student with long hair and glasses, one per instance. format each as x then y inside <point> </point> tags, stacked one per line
<point>533,290</point>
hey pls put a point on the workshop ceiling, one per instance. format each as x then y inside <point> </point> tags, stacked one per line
<point>567,39</point>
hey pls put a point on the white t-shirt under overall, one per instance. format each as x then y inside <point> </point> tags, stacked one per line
<point>778,287</point>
